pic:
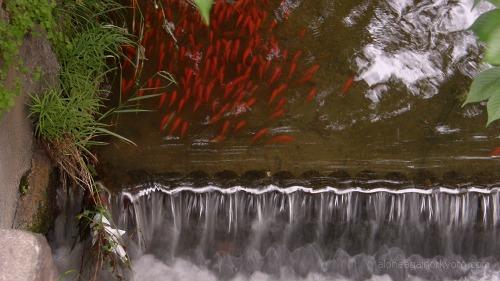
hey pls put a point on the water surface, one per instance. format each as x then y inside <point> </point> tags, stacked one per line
<point>412,62</point>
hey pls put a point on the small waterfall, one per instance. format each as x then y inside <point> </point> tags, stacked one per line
<point>345,232</point>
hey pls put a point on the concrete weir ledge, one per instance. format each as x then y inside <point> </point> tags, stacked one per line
<point>140,191</point>
<point>313,178</point>
<point>260,182</point>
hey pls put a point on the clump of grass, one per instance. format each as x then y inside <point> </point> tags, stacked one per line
<point>73,111</point>
<point>60,116</point>
<point>71,118</point>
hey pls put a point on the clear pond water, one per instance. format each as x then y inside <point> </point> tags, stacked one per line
<point>412,63</point>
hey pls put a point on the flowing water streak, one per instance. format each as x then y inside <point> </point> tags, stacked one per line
<point>215,220</point>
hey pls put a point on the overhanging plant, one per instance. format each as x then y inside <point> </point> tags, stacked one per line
<point>486,85</point>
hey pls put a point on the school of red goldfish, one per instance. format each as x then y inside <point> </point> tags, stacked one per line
<point>223,70</point>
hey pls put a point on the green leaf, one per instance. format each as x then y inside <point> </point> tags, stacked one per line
<point>494,2</point>
<point>493,107</point>
<point>138,98</point>
<point>476,2</point>
<point>133,110</point>
<point>486,24</point>
<point>486,84</point>
<point>204,8</point>
<point>493,48</point>
<point>108,132</point>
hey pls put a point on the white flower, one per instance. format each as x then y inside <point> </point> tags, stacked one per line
<point>113,235</point>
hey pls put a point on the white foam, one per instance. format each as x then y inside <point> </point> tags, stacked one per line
<point>148,268</point>
<point>419,44</point>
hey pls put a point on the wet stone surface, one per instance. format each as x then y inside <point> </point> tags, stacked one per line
<point>422,179</point>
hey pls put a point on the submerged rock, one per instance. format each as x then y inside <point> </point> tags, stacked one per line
<point>197,178</point>
<point>226,178</point>
<point>255,178</point>
<point>425,178</point>
<point>339,175</point>
<point>454,177</point>
<point>396,176</point>
<point>366,175</point>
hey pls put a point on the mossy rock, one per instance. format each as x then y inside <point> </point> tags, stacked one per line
<point>340,175</point>
<point>226,178</point>
<point>197,178</point>
<point>454,177</point>
<point>37,203</point>
<point>396,176</point>
<point>425,178</point>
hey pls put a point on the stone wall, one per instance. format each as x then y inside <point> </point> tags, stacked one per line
<point>16,130</point>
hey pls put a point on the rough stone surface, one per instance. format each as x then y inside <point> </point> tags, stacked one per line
<point>35,208</point>
<point>16,137</point>
<point>25,256</point>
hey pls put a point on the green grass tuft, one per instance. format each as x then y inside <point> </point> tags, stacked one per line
<point>73,111</point>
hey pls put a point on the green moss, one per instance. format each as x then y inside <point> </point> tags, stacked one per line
<point>24,184</point>
<point>43,219</point>
<point>44,216</point>
<point>23,16</point>
<point>37,74</point>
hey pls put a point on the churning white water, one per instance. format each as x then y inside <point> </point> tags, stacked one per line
<point>148,268</point>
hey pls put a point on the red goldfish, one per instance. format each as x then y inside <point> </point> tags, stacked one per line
<point>276,75</point>
<point>163,97</point>
<point>240,125</point>
<point>309,74</point>
<point>277,92</point>
<point>182,103</point>
<point>278,113</point>
<point>184,128</point>
<point>312,94</point>
<point>225,127</point>
<point>172,98</point>
<point>347,85</point>
<point>176,124</point>
<point>281,103</point>
<point>219,138</point>
<point>495,152</point>
<point>282,139</point>
<point>251,102</point>
<point>259,134</point>
<point>166,119</point>
<point>293,67</point>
